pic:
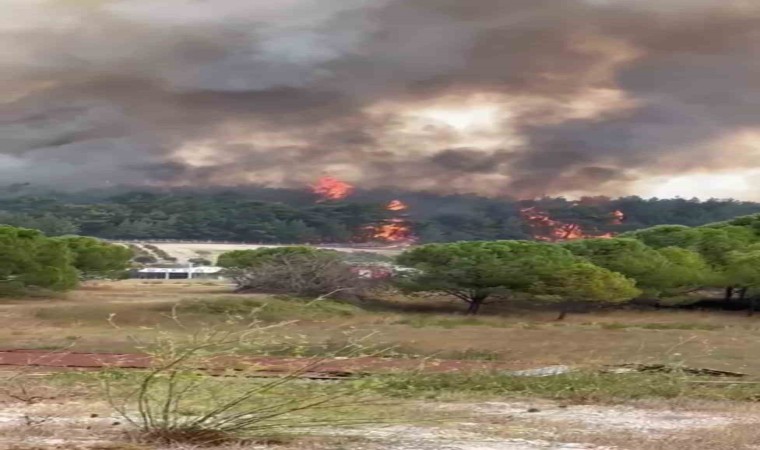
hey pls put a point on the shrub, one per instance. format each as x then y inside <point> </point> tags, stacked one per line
<point>300,271</point>
<point>200,261</point>
<point>29,259</point>
<point>94,258</point>
<point>177,400</point>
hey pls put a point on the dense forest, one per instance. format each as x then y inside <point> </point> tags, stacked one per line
<point>295,216</point>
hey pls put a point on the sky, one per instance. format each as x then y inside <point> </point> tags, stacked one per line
<point>518,98</point>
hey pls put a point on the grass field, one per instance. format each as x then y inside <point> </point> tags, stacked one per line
<point>523,339</point>
<point>506,411</point>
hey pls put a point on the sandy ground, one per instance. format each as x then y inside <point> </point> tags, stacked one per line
<point>185,251</point>
<point>540,425</point>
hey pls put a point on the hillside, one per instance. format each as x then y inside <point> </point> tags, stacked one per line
<point>297,216</point>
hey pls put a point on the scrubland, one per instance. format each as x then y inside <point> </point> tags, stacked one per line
<point>588,407</point>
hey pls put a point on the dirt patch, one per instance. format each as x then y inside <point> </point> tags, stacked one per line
<point>335,367</point>
<point>185,251</point>
<point>431,438</point>
<point>471,426</point>
<point>593,418</point>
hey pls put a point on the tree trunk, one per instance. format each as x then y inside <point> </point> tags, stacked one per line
<point>562,313</point>
<point>752,302</point>
<point>476,302</point>
<point>729,293</point>
<point>743,293</point>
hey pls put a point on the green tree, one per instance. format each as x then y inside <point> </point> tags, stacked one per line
<point>689,270</point>
<point>251,258</point>
<point>743,269</point>
<point>96,258</point>
<point>47,223</point>
<point>30,259</point>
<point>667,236</point>
<point>475,271</point>
<point>654,273</point>
<point>586,282</point>
<point>716,244</point>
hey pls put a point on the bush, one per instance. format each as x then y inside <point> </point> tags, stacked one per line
<point>29,259</point>
<point>200,261</point>
<point>160,253</point>
<point>176,401</point>
<point>94,258</point>
<point>145,259</point>
<point>300,271</point>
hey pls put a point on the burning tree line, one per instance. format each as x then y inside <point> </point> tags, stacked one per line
<point>277,216</point>
<point>544,228</point>
<point>398,228</point>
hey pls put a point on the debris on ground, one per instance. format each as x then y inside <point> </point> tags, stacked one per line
<point>665,368</point>
<point>543,371</point>
<point>600,418</point>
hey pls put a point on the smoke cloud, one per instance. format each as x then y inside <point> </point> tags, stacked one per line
<point>519,98</point>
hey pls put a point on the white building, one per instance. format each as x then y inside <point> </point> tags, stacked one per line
<point>180,273</point>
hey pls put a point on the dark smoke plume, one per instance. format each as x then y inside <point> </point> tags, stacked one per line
<point>518,97</point>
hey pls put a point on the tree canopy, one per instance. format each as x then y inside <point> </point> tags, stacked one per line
<point>296,270</point>
<point>29,259</point>
<point>629,257</point>
<point>667,236</point>
<point>475,271</point>
<point>252,258</point>
<point>95,258</point>
<point>743,268</point>
<point>292,216</point>
<point>586,282</point>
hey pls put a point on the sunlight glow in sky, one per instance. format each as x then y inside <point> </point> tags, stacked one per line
<point>703,185</point>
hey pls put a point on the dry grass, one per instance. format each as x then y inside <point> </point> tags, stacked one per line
<point>522,339</point>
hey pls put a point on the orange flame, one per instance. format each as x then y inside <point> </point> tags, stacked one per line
<point>545,228</point>
<point>618,217</point>
<point>397,205</point>
<point>396,229</point>
<point>330,188</point>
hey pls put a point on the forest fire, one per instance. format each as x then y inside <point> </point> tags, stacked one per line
<point>397,205</point>
<point>395,229</point>
<point>544,228</point>
<point>330,188</point>
<point>618,217</point>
